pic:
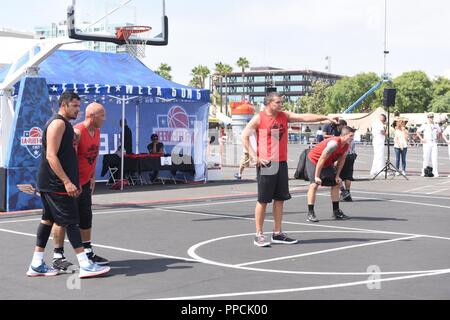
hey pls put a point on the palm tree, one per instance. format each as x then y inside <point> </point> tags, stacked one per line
<point>223,70</point>
<point>196,82</point>
<point>164,71</point>
<point>200,73</point>
<point>243,63</point>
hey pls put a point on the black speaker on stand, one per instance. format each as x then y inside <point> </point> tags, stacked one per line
<point>389,95</point>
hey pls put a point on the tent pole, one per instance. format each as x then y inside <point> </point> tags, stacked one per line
<point>122,144</point>
<point>137,127</point>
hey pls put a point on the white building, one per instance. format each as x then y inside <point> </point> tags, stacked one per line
<point>56,30</point>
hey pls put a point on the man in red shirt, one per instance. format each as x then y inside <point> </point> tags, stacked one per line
<point>87,145</point>
<point>271,127</point>
<point>321,170</point>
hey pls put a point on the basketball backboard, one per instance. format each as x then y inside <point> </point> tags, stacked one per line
<point>99,20</point>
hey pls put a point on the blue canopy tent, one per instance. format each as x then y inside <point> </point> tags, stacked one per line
<point>128,90</point>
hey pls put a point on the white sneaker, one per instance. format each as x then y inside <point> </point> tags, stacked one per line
<point>260,241</point>
<point>93,270</point>
<point>403,172</point>
<point>42,271</point>
<point>397,173</point>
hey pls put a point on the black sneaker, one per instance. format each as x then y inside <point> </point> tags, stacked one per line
<point>97,259</point>
<point>64,266</point>
<point>311,217</point>
<point>348,198</point>
<point>344,195</point>
<point>283,239</point>
<point>339,215</point>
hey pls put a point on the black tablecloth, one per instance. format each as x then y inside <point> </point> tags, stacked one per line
<point>142,164</point>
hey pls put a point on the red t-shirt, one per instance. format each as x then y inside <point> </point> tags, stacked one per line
<point>316,152</point>
<point>87,153</point>
<point>272,137</point>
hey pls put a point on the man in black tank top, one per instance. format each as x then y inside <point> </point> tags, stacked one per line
<point>58,184</point>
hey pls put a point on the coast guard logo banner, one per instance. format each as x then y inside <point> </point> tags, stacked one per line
<point>32,111</point>
<point>32,141</point>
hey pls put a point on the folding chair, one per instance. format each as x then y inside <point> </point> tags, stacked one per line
<point>111,179</point>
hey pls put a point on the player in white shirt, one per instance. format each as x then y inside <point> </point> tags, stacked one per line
<point>378,134</point>
<point>446,136</point>
<point>429,134</point>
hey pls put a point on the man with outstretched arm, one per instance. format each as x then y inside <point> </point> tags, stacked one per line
<point>271,128</point>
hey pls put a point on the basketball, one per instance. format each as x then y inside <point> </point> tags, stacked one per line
<point>178,118</point>
<point>36,133</point>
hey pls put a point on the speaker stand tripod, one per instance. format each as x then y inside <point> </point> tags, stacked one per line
<point>389,167</point>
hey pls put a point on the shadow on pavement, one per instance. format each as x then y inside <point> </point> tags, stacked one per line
<point>131,268</point>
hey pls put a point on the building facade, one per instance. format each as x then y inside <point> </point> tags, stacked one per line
<point>292,84</point>
<point>56,30</point>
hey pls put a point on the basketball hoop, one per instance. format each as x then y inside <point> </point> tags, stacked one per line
<point>135,38</point>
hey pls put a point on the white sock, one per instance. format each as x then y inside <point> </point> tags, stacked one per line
<point>88,250</point>
<point>38,257</point>
<point>57,255</point>
<point>83,260</point>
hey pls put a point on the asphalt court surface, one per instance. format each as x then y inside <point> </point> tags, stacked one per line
<point>395,247</point>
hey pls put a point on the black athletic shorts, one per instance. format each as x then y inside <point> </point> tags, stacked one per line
<point>85,207</point>
<point>61,209</point>
<point>347,169</point>
<point>328,174</point>
<point>273,182</point>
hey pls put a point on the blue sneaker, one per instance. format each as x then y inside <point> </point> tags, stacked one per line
<point>93,270</point>
<point>42,271</point>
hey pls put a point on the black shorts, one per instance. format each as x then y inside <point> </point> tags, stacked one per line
<point>328,174</point>
<point>273,183</point>
<point>85,207</point>
<point>61,209</point>
<point>347,169</point>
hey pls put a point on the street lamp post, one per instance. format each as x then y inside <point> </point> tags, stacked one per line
<point>385,52</point>
<point>328,67</point>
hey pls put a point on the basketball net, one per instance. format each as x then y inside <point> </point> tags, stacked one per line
<point>135,45</point>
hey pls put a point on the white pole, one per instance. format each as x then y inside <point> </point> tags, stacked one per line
<point>123,143</point>
<point>385,38</point>
<point>137,127</point>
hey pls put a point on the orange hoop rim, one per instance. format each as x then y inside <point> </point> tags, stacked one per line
<point>123,33</point>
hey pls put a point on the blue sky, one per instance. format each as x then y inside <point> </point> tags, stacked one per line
<point>291,34</point>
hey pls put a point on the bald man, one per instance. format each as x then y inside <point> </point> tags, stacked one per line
<point>87,145</point>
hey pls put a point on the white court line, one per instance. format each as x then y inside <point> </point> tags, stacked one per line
<point>168,209</point>
<point>325,251</point>
<point>192,253</point>
<point>95,214</point>
<point>407,202</point>
<point>434,192</point>
<point>291,290</point>
<point>110,247</point>
<point>400,194</point>
<point>305,224</point>
<point>419,188</point>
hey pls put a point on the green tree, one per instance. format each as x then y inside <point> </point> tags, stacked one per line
<point>348,90</point>
<point>196,82</point>
<point>315,102</point>
<point>223,70</point>
<point>441,85</point>
<point>200,73</point>
<point>243,63</point>
<point>164,71</point>
<point>441,104</point>
<point>414,92</point>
